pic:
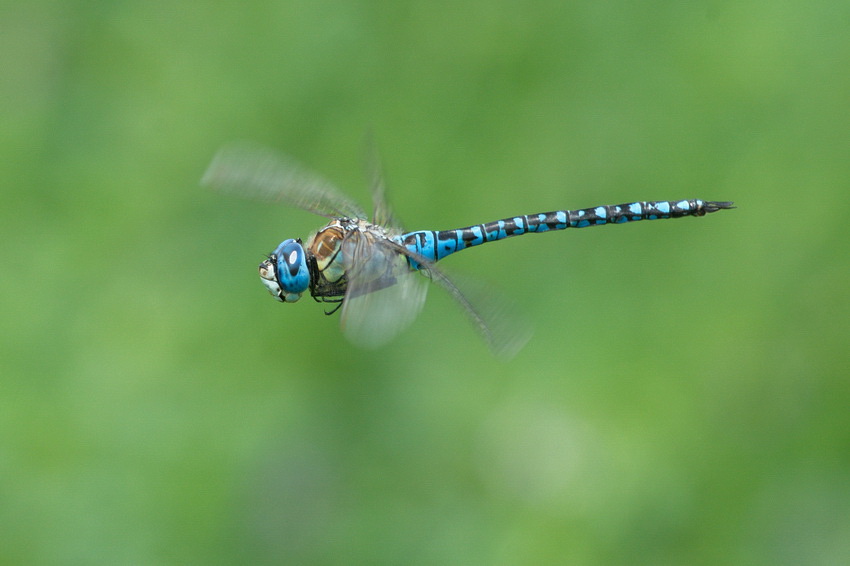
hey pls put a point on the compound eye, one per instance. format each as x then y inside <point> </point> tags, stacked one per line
<point>291,269</point>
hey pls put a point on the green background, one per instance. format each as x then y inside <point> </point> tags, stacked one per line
<point>685,398</point>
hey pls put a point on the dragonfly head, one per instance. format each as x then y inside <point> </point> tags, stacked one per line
<point>285,273</point>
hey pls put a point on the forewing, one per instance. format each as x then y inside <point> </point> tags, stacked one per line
<point>254,171</point>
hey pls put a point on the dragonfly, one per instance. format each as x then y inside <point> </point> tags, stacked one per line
<point>371,269</point>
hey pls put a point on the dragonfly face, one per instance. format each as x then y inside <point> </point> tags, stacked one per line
<point>285,273</point>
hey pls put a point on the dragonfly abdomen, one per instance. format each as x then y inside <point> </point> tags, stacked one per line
<point>435,245</point>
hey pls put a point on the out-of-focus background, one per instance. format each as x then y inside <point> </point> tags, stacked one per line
<point>685,398</point>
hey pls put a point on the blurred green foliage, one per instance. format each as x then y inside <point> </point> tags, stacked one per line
<point>685,397</point>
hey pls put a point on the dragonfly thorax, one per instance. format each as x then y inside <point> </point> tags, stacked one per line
<point>285,273</point>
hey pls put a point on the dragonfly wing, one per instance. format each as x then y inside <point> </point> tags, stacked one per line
<point>254,171</point>
<point>383,295</point>
<point>382,212</point>
<point>493,315</point>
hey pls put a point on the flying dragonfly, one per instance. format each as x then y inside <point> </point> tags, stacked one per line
<point>372,270</point>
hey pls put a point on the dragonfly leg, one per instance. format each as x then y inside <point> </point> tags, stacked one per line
<point>336,308</point>
<point>338,302</point>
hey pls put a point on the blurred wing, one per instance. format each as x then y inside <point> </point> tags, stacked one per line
<point>383,296</point>
<point>254,171</point>
<point>381,210</point>
<point>375,310</point>
<point>494,315</point>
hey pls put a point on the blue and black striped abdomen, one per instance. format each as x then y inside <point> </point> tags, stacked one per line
<point>435,245</point>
